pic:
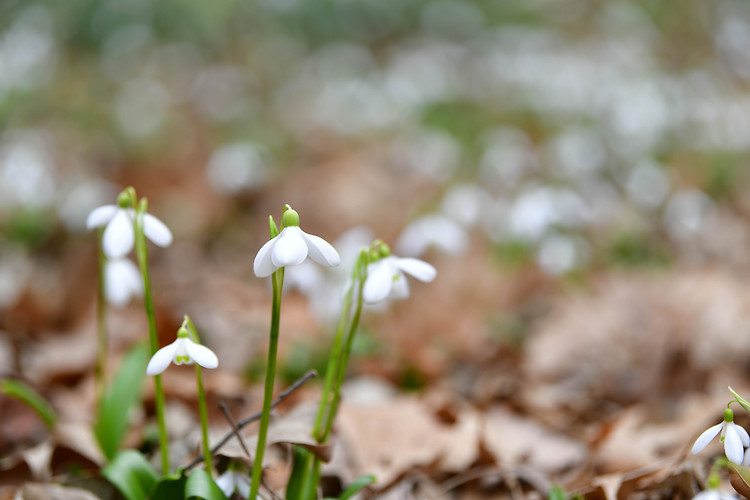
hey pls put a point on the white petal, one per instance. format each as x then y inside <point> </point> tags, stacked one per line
<point>744,436</point>
<point>243,484</point>
<point>321,251</point>
<point>706,438</point>
<point>121,281</point>
<point>262,266</point>
<point>378,283</point>
<point>399,288</point>
<point>225,482</point>
<point>100,216</point>
<point>201,354</point>
<point>733,445</point>
<point>160,361</point>
<point>156,231</point>
<point>118,237</point>
<point>291,249</point>
<point>417,268</point>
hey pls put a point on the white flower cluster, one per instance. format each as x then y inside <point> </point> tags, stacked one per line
<point>734,437</point>
<point>122,278</point>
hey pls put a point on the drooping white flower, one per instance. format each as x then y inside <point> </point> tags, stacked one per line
<point>233,480</point>
<point>291,247</point>
<point>118,237</point>
<point>386,279</point>
<point>735,438</point>
<point>122,281</point>
<point>181,351</point>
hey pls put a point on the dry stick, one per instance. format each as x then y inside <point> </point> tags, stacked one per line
<point>255,416</point>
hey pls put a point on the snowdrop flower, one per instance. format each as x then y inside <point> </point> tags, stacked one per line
<point>233,480</point>
<point>291,247</point>
<point>181,351</point>
<point>385,277</point>
<point>119,236</point>
<point>434,230</point>
<point>122,281</point>
<point>735,438</point>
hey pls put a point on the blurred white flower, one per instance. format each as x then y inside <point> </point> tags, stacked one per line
<point>735,438</point>
<point>122,281</point>
<point>232,480</point>
<point>386,280</point>
<point>433,230</point>
<point>181,351</point>
<point>119,235</point>
<point>291,247</point>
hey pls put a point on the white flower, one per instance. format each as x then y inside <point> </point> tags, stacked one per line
<point>435,230</point>
<point>385,277</point>
<point>118,237</point>
<point>291,247</point>
<point>714,494</point>
<point>233,480</point>
<point>122,281</point>
<point>181,351</point>
<point>735,438</point>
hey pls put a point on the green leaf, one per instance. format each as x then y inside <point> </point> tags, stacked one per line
<point>201,485</point>
<point>557,493</point>
<point>131,473</point>
<point>117,402</point>
<point>358,485</point>
<point>27,395</point>
<point>170,488</point>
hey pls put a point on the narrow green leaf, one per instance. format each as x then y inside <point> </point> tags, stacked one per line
<point>131,473</point>
<point>27,395</point>
<point>202,486</point>
<point>118,400</point>
<point>358,485</point>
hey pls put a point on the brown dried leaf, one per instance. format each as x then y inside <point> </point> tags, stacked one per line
<point>47,491</point>
<point>514,440</point>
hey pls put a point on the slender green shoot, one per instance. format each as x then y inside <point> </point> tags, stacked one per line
<point>201,402</point>
<point>141,250</point>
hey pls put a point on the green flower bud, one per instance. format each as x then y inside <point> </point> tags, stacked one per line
<point>714,481</point>
<point>124,200</point>
<point>290,217</point>
<point>182,333</point>
<point>728,415</point>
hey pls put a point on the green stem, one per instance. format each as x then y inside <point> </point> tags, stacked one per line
<point>333,364</point>
<point>312,475</point>
<point>142,253</point>
<point>201,401</point>
<point>278,282</point>
<point>204,422</point>
<point>341,373</point>
<point>100,371</point>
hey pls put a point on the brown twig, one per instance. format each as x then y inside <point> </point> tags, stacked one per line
<point>255,416</point>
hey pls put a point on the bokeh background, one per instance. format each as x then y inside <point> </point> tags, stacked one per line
<point>577,170</point>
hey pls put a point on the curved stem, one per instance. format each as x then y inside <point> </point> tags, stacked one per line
<point>278,281</point>
<point>142,254</point>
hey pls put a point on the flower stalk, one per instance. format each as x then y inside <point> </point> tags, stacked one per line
<point>141,251</point>
<point>277,280</point>
<point>201,401</point>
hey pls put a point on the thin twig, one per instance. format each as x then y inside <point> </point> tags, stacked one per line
<point>235,429</point>
<point>255,416</point>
